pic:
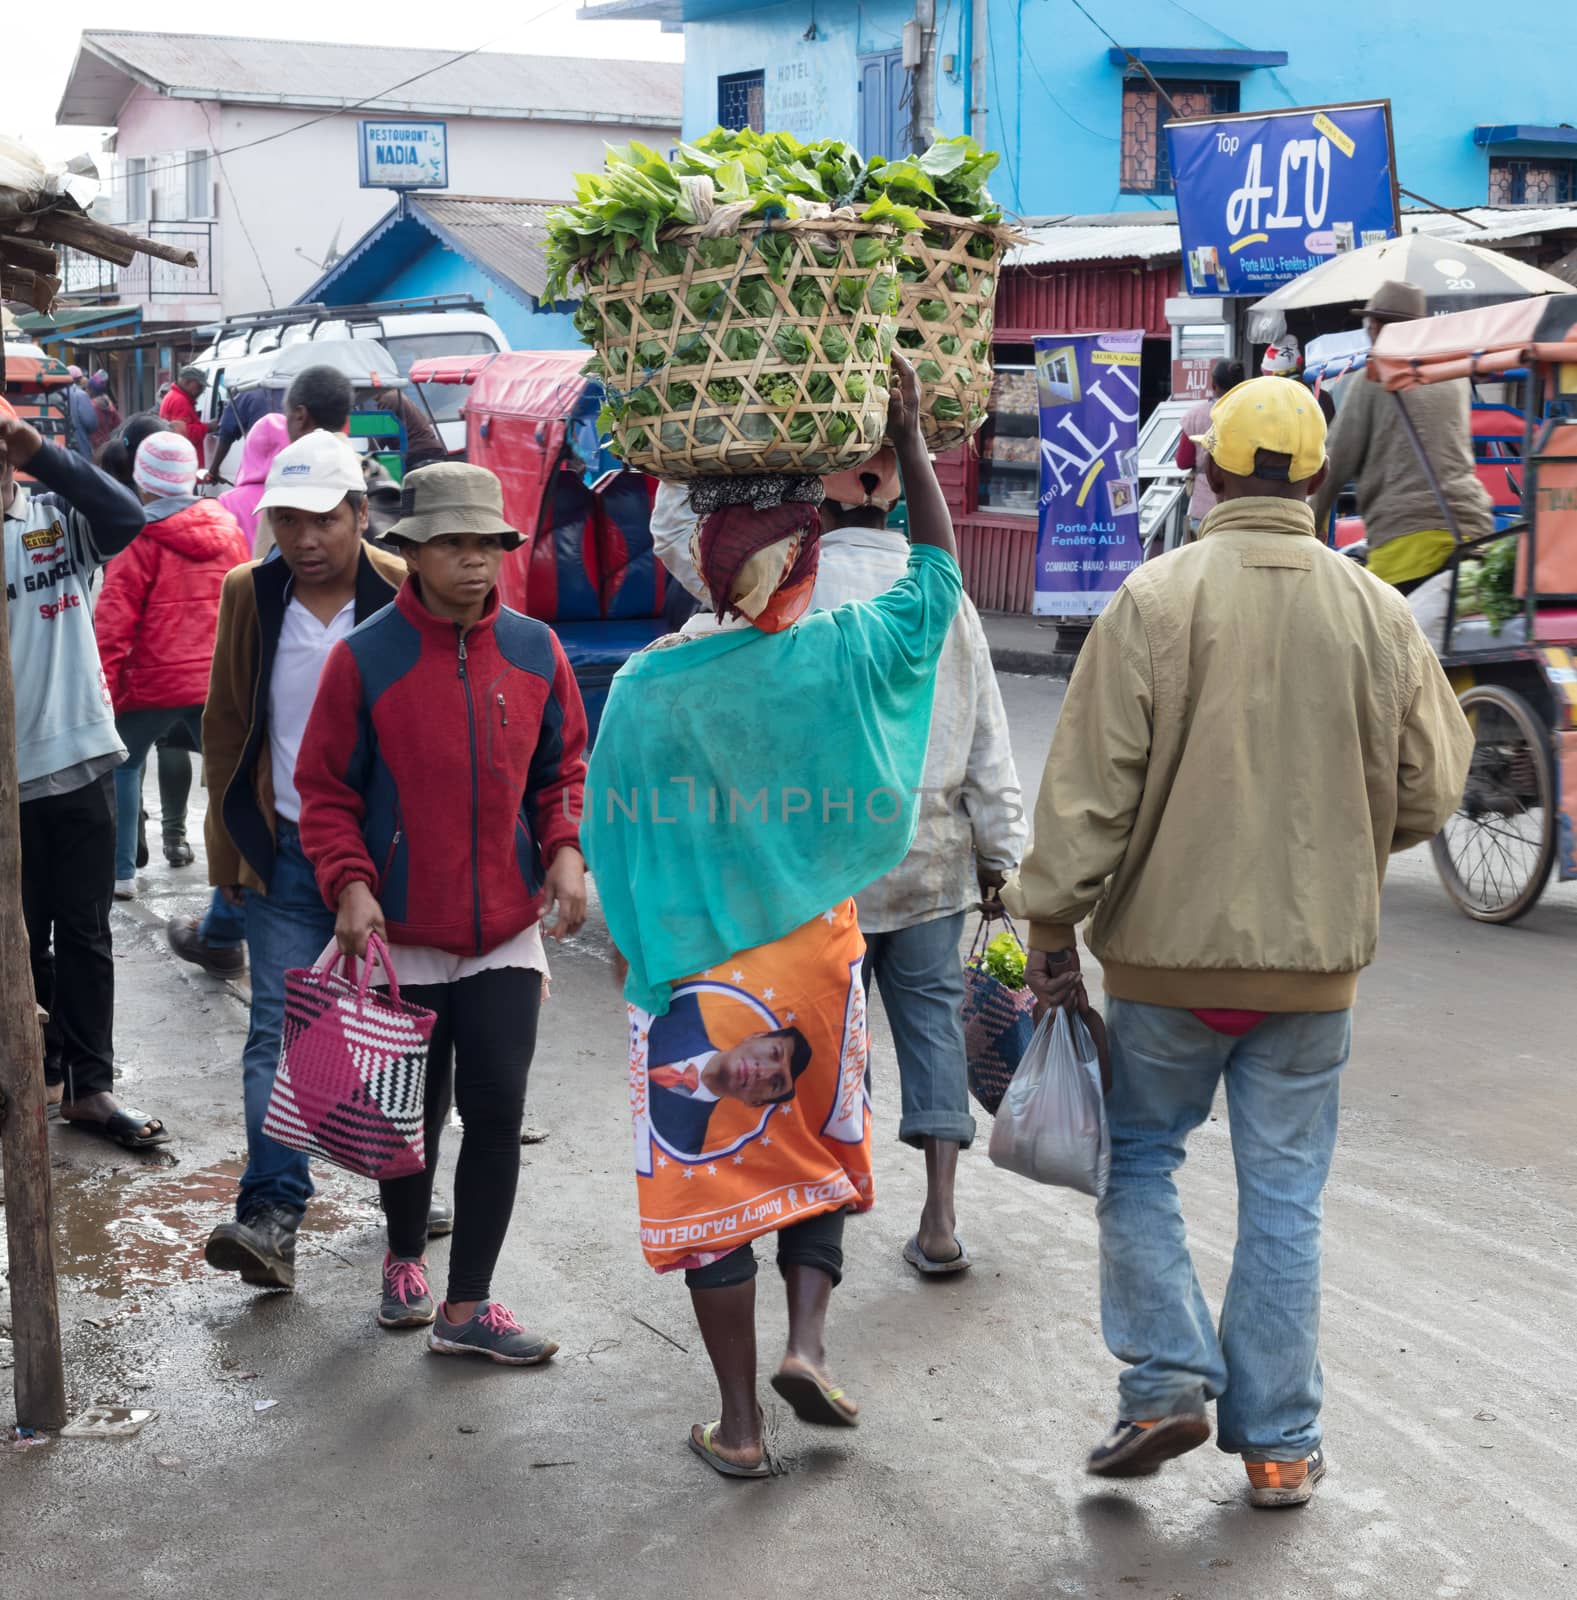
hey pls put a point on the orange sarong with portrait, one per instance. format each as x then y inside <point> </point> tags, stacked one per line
<point>713,1172</point>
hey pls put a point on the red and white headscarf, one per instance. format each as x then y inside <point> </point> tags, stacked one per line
<point>166,464</point>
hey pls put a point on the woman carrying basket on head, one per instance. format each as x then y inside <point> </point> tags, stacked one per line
<point>441,777</point>
<point>746,783</point>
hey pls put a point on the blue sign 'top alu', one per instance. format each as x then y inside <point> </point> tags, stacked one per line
<point>403,155</point>
<point>1264,196</point>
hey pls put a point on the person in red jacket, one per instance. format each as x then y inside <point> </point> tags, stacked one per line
<point>441,780</point>
<point>178,407</point>
<point>155,624</point>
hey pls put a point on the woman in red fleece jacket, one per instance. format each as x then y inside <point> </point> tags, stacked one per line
<point>441,778</point>
<point>155,623</point>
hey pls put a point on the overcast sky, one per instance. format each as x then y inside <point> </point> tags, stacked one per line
<point>39,50</point>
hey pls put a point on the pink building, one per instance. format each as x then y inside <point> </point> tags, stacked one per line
<point>245,150</point>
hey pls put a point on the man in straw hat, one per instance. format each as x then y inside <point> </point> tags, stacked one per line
<point>1408,530</point>
<point>1253,728</point>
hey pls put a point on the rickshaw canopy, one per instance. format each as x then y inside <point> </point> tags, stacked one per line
<point>1475,344</point>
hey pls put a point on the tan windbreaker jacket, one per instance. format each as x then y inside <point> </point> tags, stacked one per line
<point>1254,725</point>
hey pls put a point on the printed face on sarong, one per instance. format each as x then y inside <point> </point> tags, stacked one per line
<point>718,1064</point>
<point>748,1096</point>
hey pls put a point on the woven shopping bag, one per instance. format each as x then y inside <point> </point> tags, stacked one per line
<point>998,1024</point>
<point>352,1069</point>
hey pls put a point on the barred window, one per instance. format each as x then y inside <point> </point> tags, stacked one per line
<point>741,100</point>
<point>1146,168</point>
<point>1539,181</point>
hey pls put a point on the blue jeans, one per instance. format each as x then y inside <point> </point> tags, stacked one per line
<point>138,730</point>
<point>223,925</point>
<point>287,927</point>
<point>921,976</point>
<point>1282,1087</point>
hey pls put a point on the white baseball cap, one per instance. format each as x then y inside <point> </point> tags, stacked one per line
<point>313,474</point>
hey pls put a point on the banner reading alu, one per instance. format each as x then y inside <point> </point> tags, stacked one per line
<point>1264,196</point>
<point>1088,541</point>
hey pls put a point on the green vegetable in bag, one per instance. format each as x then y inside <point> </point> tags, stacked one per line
<point>949,344</point>
<point>681,396</point>
<point>854,386</point>
<point>807,297</point>
<point>720,252</point>
<point>755,296</point>
<point>779,389</point>
<point>819,387</point>
<point>1004,960</point>
<point>725,391</point>
<point>835,346</point>
<point>910,339</point>
<point>850,294</point>
<point>932,310</point>
<point>793,346</point>
<point>945,408</point>
<point>658,310</point>
<point>741,344</point>
<point>702,299</point>
<point>636,440</point>
<point>643,402</point>
<point>928,371</point>
<point>882,296</point>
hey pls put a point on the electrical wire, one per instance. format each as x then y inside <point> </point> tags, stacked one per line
<point>1094,133</point>
<point>996,89</point>
<point>262,271</point>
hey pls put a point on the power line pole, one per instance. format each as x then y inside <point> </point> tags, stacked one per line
<point>40,1382</point>
<point>922,84</point>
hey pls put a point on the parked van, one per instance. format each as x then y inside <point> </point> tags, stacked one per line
<point>410,330</point>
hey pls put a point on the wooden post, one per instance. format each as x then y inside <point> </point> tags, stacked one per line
<point>40,1381</point>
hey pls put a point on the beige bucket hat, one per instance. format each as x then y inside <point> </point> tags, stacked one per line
<point>451,497</point>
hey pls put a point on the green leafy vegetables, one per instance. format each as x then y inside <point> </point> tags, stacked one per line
<point>1003,959</point>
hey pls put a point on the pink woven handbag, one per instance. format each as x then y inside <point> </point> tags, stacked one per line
<point>352,1069</point>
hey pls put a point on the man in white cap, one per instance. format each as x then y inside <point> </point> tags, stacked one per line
<point>278,619</point>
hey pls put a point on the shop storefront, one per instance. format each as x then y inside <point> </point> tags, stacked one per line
<point>993,484</point>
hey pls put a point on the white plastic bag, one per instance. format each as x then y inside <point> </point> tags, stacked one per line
<point>1051,1125</point>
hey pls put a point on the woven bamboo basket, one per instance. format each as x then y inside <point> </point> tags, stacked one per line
<point>691,402</point>
<point>951,347</point>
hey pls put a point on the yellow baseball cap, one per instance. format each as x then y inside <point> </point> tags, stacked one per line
<point>1277,415</point>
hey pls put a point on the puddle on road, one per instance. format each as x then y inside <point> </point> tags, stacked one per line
<point>122,1233</point>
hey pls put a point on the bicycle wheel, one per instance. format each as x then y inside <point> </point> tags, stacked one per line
<point>1494,856</point>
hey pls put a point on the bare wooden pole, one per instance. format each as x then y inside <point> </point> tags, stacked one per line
<point>40,1379</point>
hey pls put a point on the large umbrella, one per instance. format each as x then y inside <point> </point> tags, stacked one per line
<point>1454,275</point>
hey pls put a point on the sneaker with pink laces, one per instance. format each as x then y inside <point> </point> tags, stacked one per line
<point>407,1301</point>
<point>493,1332</point>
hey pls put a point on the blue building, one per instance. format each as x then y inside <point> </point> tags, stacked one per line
<point>1481,100</point>
<point>432,244</point>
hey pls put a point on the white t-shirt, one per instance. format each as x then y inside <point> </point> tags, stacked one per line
<point>304,644</point>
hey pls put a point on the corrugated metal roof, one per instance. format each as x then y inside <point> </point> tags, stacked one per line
<point>504,237</point>
<point>309,74</point>
<point>1071,242</point>
<point>1492,224</point>
<point>1137,237</point>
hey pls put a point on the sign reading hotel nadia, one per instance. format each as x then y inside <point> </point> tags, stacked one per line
<point>1264,196</point>
<point>404,155</point>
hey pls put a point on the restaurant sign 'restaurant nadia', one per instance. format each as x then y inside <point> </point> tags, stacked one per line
<point>404,155</point>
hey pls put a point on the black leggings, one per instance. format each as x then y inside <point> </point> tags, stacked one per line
<point>815,1242</point>
<point>482,1045</point>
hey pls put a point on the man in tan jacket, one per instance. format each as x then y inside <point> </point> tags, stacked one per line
<point>1254,726</point>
